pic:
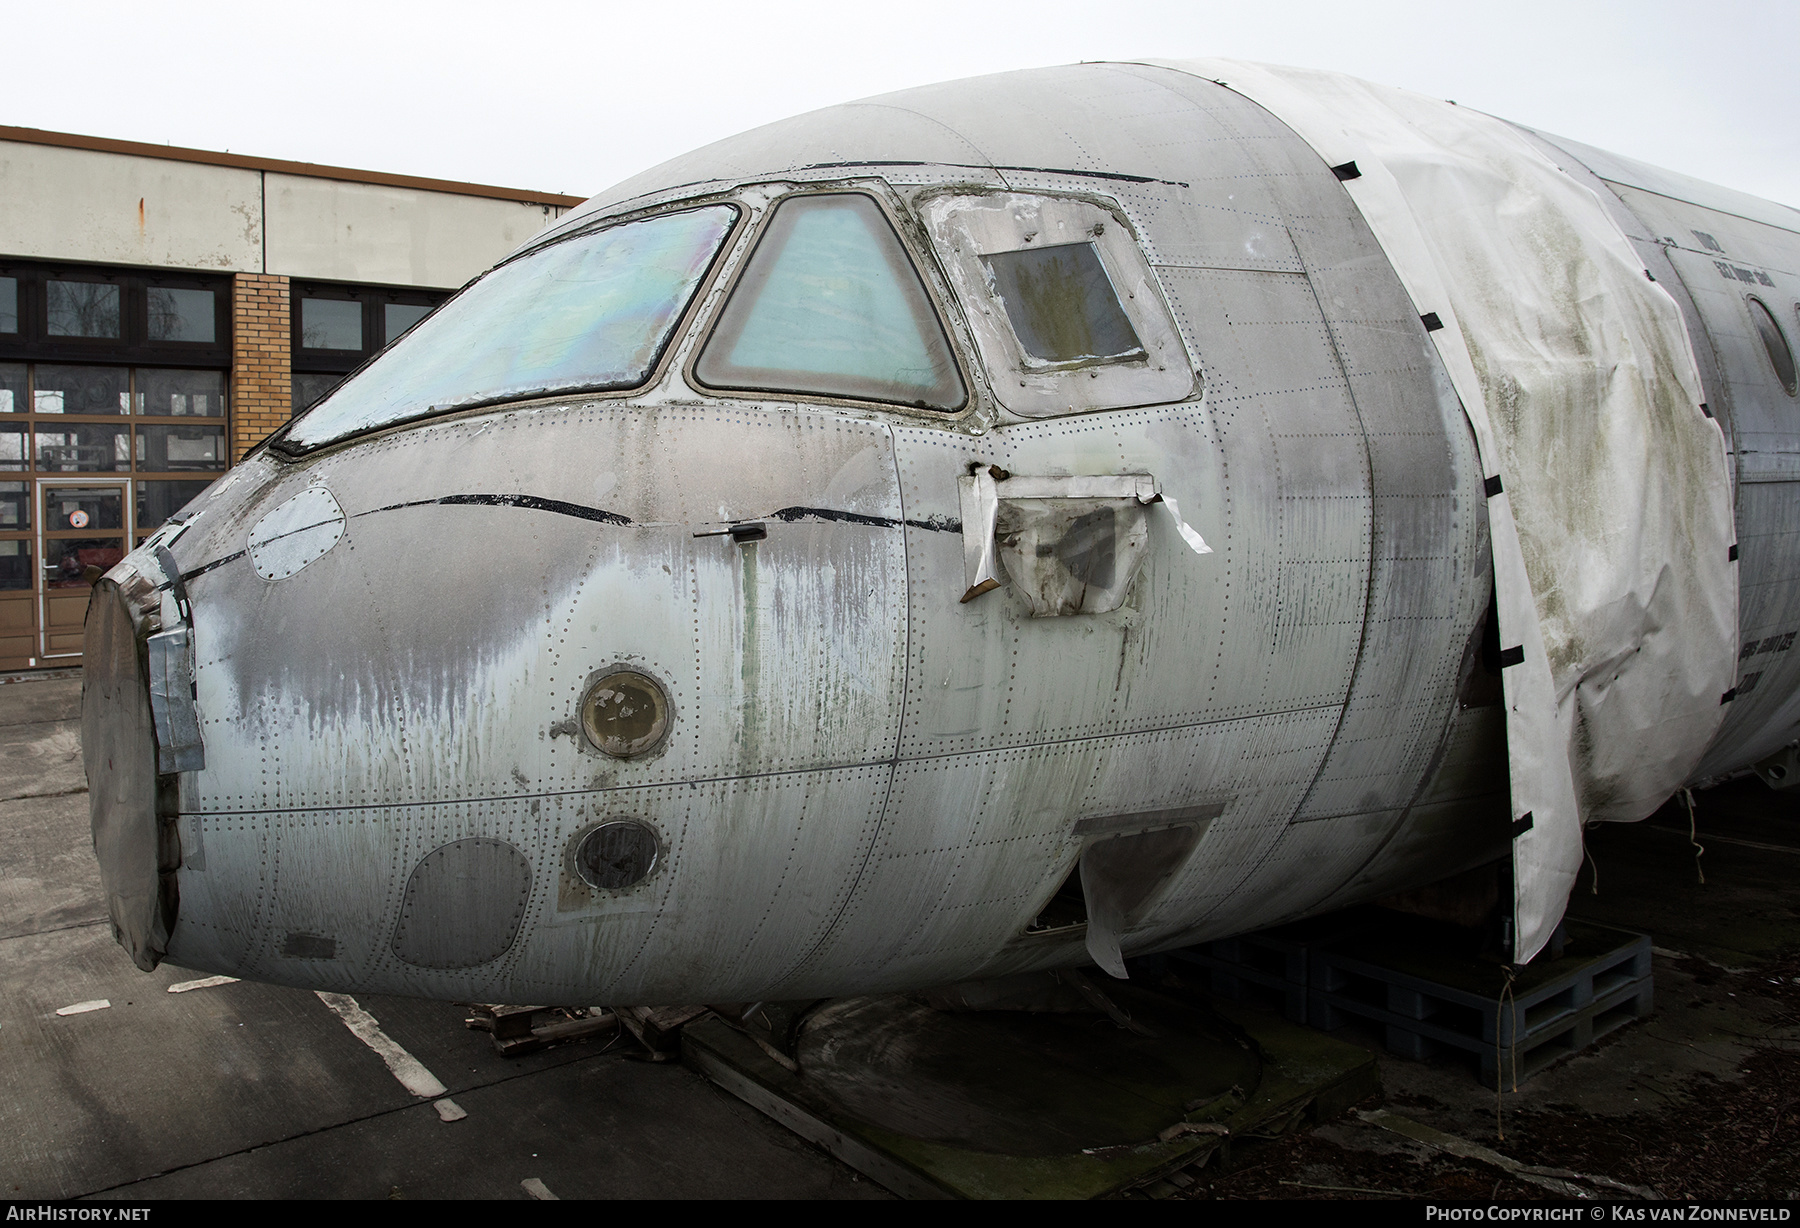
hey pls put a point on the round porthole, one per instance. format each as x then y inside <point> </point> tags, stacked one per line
<point>1775,342</point>
<point>617,854</point>
<point>625,714</point>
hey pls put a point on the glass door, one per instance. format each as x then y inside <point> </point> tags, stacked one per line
<point>82,533</point>
<point>18,596</point>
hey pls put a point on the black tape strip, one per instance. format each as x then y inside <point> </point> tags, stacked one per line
<point>212,566</point>
<point>1431,321</point>
<point>1521,825</point>
<point>177,582</point>
<point>789,515</point>
<point>528,502</point>
<point>1347,171</point>
<point>988,166</point>
<point>1512,656</point>
<point>1728,696</point>
<point>534,503</point>
<point>937,524</point>
<point>1493,486</point>
<point>1731,554</point>
<point>1705,410</point>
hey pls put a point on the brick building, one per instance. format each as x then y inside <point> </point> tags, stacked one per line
<point>162,310</point>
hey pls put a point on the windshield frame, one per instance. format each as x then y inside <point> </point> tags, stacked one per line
<point>938,298</point>
<point>278,442</point>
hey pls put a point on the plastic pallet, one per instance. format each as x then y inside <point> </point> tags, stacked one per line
<point>1271,966</point>
<point>1554,1009</point>
<point>1255,967</point>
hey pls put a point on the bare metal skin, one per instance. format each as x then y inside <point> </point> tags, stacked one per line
<point>862,782</point>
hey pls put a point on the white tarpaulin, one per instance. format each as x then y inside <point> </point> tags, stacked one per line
<point>1612,523</point>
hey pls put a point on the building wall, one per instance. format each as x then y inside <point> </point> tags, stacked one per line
<point>94,206</point>
<point>80,205</point>
<point>110,252</point>
<point>392,236</point>
<point>268,223</point>
<point>261,362</point>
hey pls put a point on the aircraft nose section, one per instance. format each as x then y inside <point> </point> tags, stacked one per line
<point>118,742</point>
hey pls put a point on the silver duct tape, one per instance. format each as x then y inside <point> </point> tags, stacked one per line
<point>178,744</point>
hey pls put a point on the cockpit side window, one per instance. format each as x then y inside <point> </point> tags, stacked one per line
<point>1774,343</point>
<point>829,305</point>
<point>1062,306</point>
<point>1065,310</point>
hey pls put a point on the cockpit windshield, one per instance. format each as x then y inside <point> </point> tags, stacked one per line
<point>587,313</point>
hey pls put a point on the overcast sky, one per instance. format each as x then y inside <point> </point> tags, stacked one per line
<point>573,97</point>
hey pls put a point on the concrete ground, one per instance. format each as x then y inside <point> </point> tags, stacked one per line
<point>249,1090</point>
<point>254,1091</point>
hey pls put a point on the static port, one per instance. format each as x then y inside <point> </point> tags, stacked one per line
<point>625,714</point>
<point>617,854</point>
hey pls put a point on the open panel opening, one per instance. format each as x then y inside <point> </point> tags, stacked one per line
<point>1066,909</point>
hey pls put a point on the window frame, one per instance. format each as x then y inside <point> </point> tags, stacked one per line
<point>937,298</point>
<point>135,476</point>
<point>187,353</point>
<point>133,346</point>
<point>1030,388</point>
<point>372,299</point>
<point>1753,304</point>
<point>680,333</point>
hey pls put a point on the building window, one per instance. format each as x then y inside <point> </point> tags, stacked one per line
<point>161,426</point>
<point>177,314</point>
<point>58,313</point>
<point>82,309</point>
<point>93,457</point>
<point>331,324</point>
<point>337,328</point>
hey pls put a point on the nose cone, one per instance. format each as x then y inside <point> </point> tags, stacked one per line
<point>118,743</point>
<point>498,709</point>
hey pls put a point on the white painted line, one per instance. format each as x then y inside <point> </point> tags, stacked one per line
<point>82,1008</point>
<point>1666,953</point>
<point>538,1190</point>
<point>408,1069</point>
<point>449,1110</point>
<point>204,983</point>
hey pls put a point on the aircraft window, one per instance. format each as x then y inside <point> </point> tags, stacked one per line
<point>590,312</point>
<point>829,305</point>
<point>1063,306</point>
<point>1066,313</point>
<point>1780,356</point>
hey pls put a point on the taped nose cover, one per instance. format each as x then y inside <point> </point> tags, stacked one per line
<point>118,748</point>
<point>463,906</point>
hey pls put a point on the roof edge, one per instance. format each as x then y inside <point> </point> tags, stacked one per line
<point>176,153</point>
